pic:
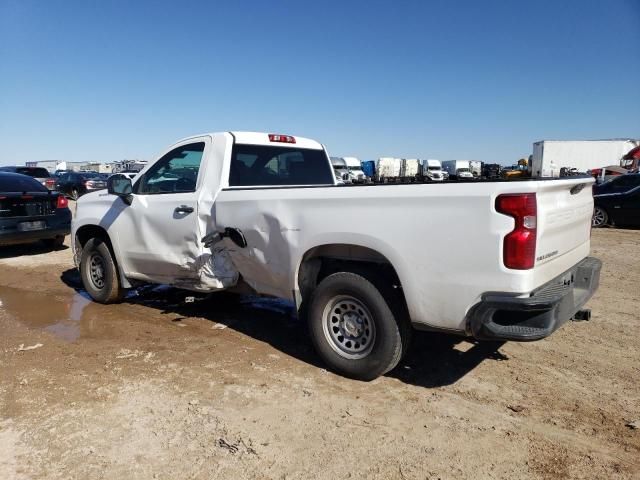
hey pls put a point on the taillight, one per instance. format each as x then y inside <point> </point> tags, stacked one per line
<point>62,202</point>
<point>281,138</point>
<point>519,251</point>
<point>49,182</point>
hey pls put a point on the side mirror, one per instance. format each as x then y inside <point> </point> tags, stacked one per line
<point>120,185</point>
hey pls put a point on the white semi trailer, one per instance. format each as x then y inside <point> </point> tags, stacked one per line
<point>549,156</point>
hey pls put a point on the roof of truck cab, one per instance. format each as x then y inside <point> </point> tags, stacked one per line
<point>261,138</point>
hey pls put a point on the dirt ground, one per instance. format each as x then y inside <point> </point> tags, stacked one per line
<point>229,387</point>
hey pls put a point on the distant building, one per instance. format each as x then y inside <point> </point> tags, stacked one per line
<point>123,165</point>
<point>100,167</point>
<point>50,165</point>
<point>96,167</point>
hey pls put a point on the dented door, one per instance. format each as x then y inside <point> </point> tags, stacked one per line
<point>254,203</point>
<point>265,262</point>
<point>158,232</point>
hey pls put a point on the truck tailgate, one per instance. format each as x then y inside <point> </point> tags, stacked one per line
<point>565,208</point>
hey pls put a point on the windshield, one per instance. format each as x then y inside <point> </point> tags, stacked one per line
<point>463,169</point>
<point>434,168</point>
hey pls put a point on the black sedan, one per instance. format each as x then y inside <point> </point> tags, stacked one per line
<point>618,184</point>
<point>29,212</point>
<point>76,184</point>
<point>621,209</point>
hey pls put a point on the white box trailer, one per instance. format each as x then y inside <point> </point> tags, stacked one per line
<point>389,167</point>
<point>476,168</point>
<point>549,156</point>
<point>410,167</point>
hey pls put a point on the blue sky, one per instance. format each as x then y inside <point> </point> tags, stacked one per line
<point>107,80</point>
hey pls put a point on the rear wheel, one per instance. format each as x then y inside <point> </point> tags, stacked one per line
<point>99,273</point>
<point>354,329</point>
<point>75,194</point>
<point>600,217</point>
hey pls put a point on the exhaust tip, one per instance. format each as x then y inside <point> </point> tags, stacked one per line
<point>582,315</point>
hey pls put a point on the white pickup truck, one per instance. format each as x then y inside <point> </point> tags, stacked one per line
<point>227,210</point>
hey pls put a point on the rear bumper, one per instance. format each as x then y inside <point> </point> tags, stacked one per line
<point>57,225</point>
<point>501,316</point>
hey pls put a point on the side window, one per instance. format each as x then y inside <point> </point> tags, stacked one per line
<point>258,165</point>
<point>176,172</point>
<point>621,182</point>
<point>629,181</point>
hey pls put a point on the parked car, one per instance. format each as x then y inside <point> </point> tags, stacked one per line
<point>266,214</point>
<point>40,174</point>
<point>30,212</point>
<point>618,184</point>
<point>76,184</point>
<point>621,209</point>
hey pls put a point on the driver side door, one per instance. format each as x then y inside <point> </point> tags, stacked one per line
<point>158,232</point>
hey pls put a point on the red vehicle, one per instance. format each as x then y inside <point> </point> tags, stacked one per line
<point>631,161</point>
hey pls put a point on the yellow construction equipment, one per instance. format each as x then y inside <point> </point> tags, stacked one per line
<point>519,170</point>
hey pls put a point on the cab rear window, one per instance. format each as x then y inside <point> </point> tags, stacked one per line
<point>262,165</point>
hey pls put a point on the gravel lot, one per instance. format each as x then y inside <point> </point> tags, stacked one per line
<point>229,387</point>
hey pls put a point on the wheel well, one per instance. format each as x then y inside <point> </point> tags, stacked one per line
<point>320,262</point>
<point>86,233</point>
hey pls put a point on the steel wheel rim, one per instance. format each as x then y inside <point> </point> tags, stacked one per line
<point>598,217</point>
<point>96,271</point>
<point>74,194</point>
<point>348,327</point>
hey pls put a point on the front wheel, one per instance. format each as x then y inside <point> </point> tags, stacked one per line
<point>99,273</point>
<point>354,329</point>
<point>600,217</point>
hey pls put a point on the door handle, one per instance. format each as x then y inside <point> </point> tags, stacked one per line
<point>183,209</point>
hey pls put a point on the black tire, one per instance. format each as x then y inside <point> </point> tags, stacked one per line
<point>55,242</point>
<point>600,217</point>
<point>75,195</point>
<point>386,341</point>
<point>99,273</point>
